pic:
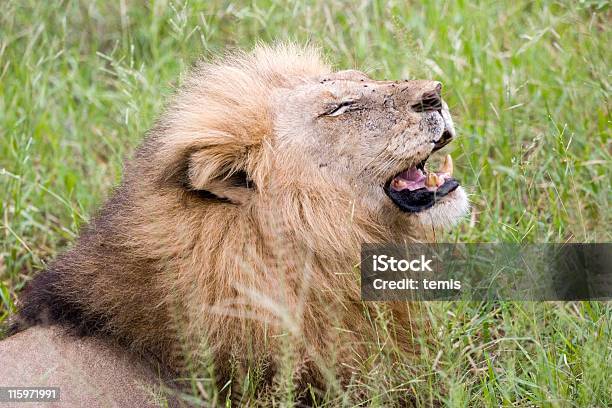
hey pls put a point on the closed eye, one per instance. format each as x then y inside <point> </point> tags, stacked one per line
<point>339,109</point>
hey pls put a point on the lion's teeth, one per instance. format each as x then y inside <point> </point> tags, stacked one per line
<point>431,180</point>
<point>398,184</point>
<point>447,167</point>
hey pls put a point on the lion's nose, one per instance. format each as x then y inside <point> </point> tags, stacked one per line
<point>431,99</point>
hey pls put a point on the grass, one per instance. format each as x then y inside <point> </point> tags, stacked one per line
<point>528,83</point>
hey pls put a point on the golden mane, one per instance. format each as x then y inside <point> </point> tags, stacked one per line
<point>223,109</point>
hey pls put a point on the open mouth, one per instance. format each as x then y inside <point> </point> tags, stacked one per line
<point>416,189</point>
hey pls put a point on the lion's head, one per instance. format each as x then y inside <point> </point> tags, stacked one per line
<point>277,133</point>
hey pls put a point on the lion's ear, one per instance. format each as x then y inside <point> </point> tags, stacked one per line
<point>220,174</point>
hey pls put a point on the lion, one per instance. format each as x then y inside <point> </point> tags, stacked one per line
<point>236,230</point>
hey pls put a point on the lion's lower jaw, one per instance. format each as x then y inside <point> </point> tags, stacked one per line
<point>446,212</point>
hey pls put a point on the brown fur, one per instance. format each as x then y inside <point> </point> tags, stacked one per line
<point>237,228</point>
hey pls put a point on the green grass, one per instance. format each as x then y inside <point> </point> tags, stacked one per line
<point>528,84</point>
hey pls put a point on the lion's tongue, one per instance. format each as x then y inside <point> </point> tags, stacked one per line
<point>411,179</point>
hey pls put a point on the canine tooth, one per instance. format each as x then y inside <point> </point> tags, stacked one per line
<point>431,180</point>
<point>447,167</point>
